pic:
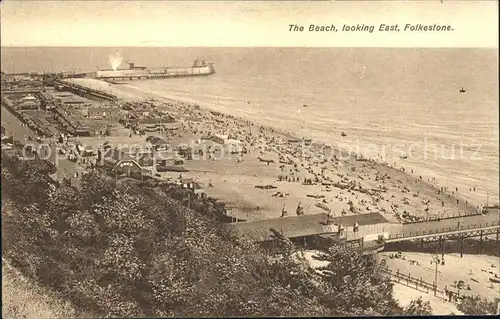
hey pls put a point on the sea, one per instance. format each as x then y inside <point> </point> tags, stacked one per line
<point>402,106</point>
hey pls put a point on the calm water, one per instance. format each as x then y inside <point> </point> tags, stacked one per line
<point>389,101</point>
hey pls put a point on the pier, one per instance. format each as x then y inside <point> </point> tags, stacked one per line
<point>85,91</point>
<point>450,228</point>
<point>442,230</point>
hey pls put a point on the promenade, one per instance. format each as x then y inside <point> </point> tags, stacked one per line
<point>451,228</point>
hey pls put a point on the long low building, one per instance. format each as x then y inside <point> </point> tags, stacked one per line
<point>362,228</point>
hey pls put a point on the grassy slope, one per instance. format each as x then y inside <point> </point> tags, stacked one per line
<point>24,299</point>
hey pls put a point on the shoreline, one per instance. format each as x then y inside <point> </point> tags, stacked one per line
<point>433,171</point>
<point>232,123</point>
<point>217,108</point>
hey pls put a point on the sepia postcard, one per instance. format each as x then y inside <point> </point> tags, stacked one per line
<point>249,158</point>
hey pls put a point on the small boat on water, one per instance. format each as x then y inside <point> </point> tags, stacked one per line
<point>462,90</point>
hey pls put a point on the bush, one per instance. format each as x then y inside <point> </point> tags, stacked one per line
<point>418,308</point>
<point>118,250</point>
<point>477,305</point>
<point>355,283</point>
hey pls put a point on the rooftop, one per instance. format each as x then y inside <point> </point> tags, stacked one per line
<point>115,155</point>
<point>103,109</point>
<point>300,226</point>
<point>67,97</point>
<point>155,140</point>
<point>47,96</point>
<point>62,94</point>
<point>29,103</point>
<point>29,97</point>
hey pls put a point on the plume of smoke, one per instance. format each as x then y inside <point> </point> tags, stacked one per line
<point>115,60</point>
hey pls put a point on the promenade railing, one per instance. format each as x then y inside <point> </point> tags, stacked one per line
<point>421,285</point>
<point>443,230</point>
<point>412,282</point>
<point>447,216</point>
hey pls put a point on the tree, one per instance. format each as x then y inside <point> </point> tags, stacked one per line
<point>477,305</point>
<point>354,283</point>
<point>27,181</point>
<point>128,250</point>
<point>418,307</point>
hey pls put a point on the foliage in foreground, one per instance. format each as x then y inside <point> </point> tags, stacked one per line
<point>477,305</point>
<point>419,307</point>
<point>23,299</point>
<point>129,251</point>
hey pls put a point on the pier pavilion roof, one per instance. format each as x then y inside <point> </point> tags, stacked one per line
<point>302,226</point>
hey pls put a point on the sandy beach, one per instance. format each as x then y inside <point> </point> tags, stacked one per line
<point>473,270</point>
<point>439,307</point>
<point>342,183</point>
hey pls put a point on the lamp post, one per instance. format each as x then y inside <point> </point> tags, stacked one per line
<point>436,260</point>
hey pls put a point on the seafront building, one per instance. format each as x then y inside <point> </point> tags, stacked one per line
<point>71,110</point>
<point>364,230</point>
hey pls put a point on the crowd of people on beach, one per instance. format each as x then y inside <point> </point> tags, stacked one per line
<point>297,163</point>
<point>362,184</point>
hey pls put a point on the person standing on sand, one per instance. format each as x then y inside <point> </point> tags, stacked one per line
<point>284,213</point>
<point>300,209</point>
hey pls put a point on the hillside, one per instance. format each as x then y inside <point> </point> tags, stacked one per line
<point>129,250</point>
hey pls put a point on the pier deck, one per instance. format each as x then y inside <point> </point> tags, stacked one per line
<point>450,229</point>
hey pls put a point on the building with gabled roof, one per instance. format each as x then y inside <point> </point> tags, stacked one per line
<point>29,102</point>
<point>128,163</point>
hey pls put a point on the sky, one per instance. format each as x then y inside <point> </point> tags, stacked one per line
<point>243,23</point>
